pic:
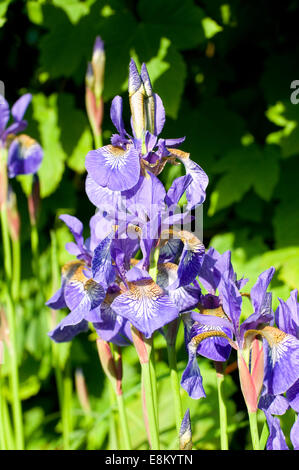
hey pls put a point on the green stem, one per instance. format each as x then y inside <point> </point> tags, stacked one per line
<point>113,439</point>
<point>35,253</point>
<point>98,140</point>
<point>175,384</point>
<point>14,373</point>
<point>152,363</point>
<point>8,432</point>
<point>67,404</point>
<point>222,406</point>
<point>123,421</point>
<point>16,274</point>
<point>6,243</point>
<point>149,398</point>
<point>254,430</point>
<point>264,436</point>
<point>14,376</point>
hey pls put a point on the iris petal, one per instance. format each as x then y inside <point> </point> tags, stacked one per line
<point>114,167</point>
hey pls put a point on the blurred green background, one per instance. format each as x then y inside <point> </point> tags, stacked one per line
<point>224,71</point>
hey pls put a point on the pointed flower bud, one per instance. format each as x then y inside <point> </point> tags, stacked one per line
<point>251,373</point>
<point>81,389</point>
<point>34,200</point>
<point>98,65</point>
<point>185,436</point>
<point>13,217</point>
<point>137,98</point>
<point>112,366</point>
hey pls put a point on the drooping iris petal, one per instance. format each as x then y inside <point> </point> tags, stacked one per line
<point>274,404</point>
<point>215,348</point>
<point>276,439</point>
<point>67,334</point>
<point>282,366</point>
<point>186,298</point>
<point>113,167</point>
<point>294,434</point>
<point>191,379</point>
<point>177,189</point>
<point>83,296</point>
<point>196,192</point>
<point>191,259</point>
<point>24,156</point>
<point>109,323</point>
<point>145,305</point>
<point>57,301</point>
<point>293,396</point>
<point>102,268</point>
<point>103,198</point>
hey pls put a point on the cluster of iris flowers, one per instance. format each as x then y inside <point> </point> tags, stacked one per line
<point>139,273</point>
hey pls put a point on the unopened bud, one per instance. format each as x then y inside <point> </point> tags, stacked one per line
<point>81,389</point>
<point>98,65</point>
<point>185,436</point>
<point>111,366</point>
<point>34,200</point>
<point>137,96</point>
<point>13,217</point>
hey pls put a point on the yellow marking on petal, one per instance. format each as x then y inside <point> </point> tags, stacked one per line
<point>179,153</point>
<point>145,288</point>
<point>217,312</point>
<point>70,267</point>
<point>273,335</point>
<point>26,141</point>
<point>196,340</point>
<point>115,150</point>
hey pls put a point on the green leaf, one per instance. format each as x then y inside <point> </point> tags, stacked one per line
<point>243,168</point>
<point>45,113</point>
<point>4,4</point>
<point>181,22</point>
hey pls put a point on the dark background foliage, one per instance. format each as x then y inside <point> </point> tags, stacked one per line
<point>224,71</point>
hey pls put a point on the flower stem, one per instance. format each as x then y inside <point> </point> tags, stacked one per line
<point>98,140</point>
<point>222,406</point>
<point>149,398</point>
<point>254,430</point>
<point>16,250</point>
<point>14,373</point>
<point>123,421</point>
<point>113,439</point>
<point>175,384</point>
<point>264,436</point>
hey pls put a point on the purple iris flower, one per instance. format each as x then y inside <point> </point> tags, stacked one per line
<point>118,166</point>
<point>88,299</point>
<point>287,320</point>
<point>24,153</point>
<point>282,349</point>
